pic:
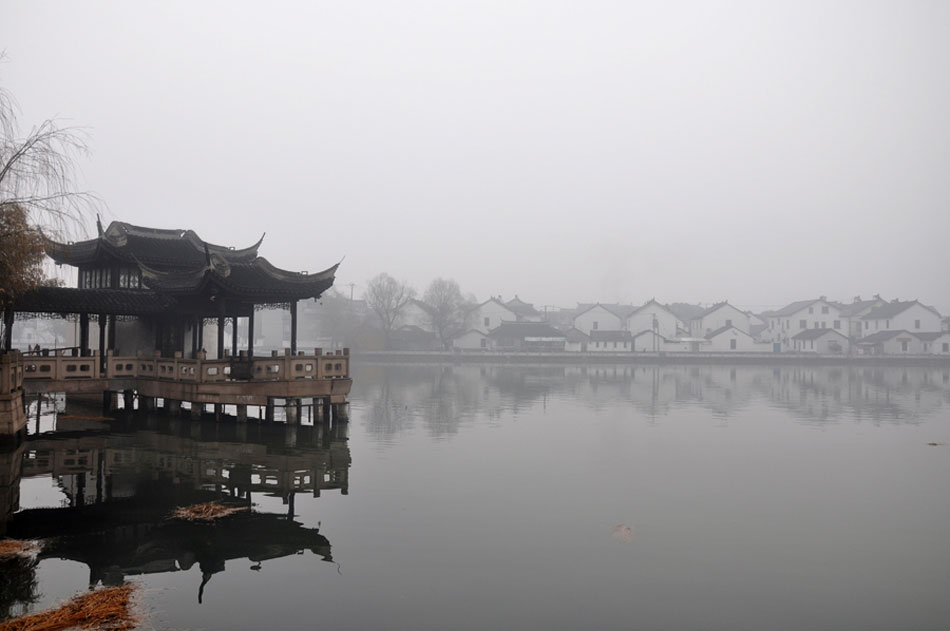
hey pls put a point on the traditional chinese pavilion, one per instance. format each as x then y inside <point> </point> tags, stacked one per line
<point>149,289</point>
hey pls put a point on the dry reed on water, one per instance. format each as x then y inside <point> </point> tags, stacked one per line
<point>209,511</point>
<point>107,609</point>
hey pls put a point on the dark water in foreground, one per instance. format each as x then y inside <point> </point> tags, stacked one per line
<point>548,497</point>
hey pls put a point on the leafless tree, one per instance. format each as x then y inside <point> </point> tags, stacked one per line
<point>388,298</point>
<point>448,309</point>
<point>37,197</point>
<point>37,170</point>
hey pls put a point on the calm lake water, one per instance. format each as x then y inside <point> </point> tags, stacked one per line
<point>514,497</point>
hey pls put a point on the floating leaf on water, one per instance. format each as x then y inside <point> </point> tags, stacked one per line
<point>622,532</point>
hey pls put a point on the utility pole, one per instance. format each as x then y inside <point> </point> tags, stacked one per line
<point>351,286</point>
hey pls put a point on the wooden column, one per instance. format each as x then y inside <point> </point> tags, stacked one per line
<point>84,334</point>
<point>194,338</point>
<point>112,332</point>
<point>102,337</point>
<point>234,329</point>
<point>250,333</point>
<point>8,329</point>
<point>201,334</point>
<point>220,337</point>
<point>293,327</point>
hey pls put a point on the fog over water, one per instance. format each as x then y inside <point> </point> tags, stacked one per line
<point>760,152</point>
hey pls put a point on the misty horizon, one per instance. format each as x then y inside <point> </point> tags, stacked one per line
<point>564,153</point>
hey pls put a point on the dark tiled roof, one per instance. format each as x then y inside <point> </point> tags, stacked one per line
<point>793,308</point>
<point>524,329</point>
<point>722,330</point>
<point>756,329</point>
<point>882,336</point>
<point>617,310</point>
<point>892,309</point>
<point>576,335</point>
<point>711,309</point>
<point>162,249</point>
<point>814,334</point>
<point>853,308</point>
<point>522,308</point>
<point>684,311</point>
<point>652,304</point>
<point>65,300</point>
<point>257,281</point>
<point>610,336</point>
<point>930,336</point>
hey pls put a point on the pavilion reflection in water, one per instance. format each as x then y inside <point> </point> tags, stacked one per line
<point>121,483</point>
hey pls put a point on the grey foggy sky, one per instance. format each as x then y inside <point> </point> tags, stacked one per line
<point>589,151</point>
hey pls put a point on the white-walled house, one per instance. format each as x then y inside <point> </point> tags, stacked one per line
<point>852,314</point>
<point>909,316</point>
<point>576,341</point>
<point>471,340</point>
<point>610,342</point>
<point>718,316</point>
<point>821,341</point>
<point>685,345</point>
<point>647,341</point>
<point>598,318</point>
<point>731,339</point>
<point>490,315</point>
<point>891,343</point>
<point>936,343</point>
<point>789,321</point>
<point>643,319</point>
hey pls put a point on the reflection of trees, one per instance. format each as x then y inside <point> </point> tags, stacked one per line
<point>17,585</point>
<point>444,396</point>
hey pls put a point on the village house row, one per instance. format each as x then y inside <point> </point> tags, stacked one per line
<point>821,326</point>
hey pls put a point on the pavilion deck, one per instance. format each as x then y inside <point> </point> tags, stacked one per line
<point>239,381</point>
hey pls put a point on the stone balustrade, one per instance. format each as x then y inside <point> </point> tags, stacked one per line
<point>65,366</point>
